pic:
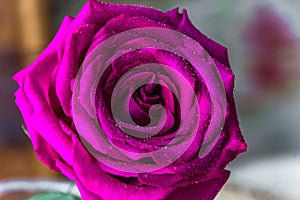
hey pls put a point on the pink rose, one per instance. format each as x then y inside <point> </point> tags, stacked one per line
<point>133,103</point>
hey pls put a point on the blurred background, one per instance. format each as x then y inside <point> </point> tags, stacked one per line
<point>263,39</point>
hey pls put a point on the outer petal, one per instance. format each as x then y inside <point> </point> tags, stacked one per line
<point>94,180</point>
<point>77,41</point>
<point>86,194</point>
<point>33,100</point>
<point>184,25</point>
<point>200,191</point>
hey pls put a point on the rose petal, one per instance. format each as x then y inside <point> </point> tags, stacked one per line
<point>200,191</point>
<point>184,25</point>
<point>98,182</point>
<point>32,98</point>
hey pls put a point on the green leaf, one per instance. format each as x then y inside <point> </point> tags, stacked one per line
<point>25,130</point>
<point>54,196</point>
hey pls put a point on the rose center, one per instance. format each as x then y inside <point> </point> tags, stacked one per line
<point>146,104</point>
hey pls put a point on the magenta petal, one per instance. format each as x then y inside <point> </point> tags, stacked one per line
<point>105,186</point>
<point>165,180</point>
<point>66,170</point>
<point>200,191</point>
<point>185,26</point>
<point>75,47</point>
<point>32,98</point>
<point>85,193</point>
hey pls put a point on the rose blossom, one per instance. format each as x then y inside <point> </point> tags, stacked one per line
<point>133,103</point>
